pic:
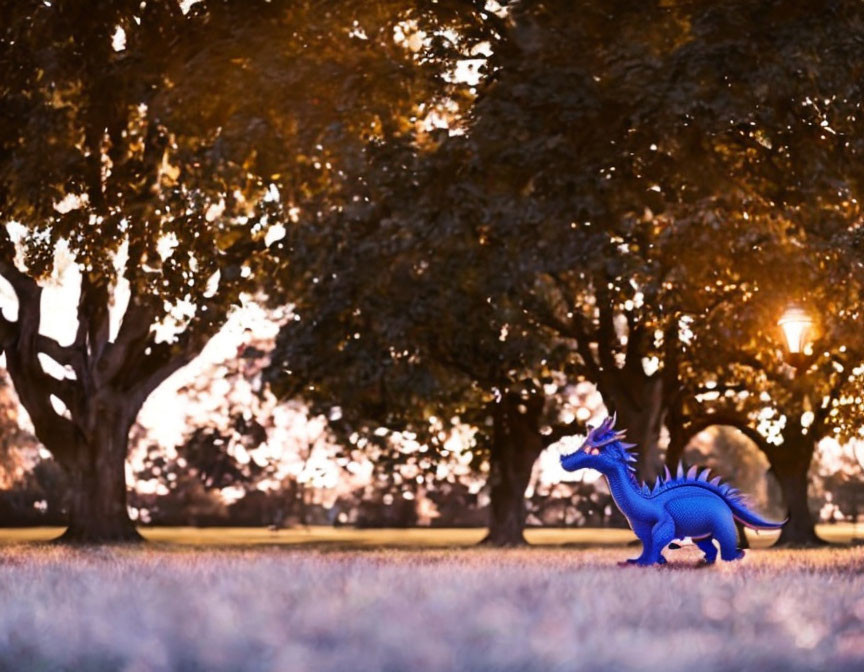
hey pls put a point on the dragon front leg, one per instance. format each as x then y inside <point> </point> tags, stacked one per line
<point>654,541</point>
<point>643,533</point>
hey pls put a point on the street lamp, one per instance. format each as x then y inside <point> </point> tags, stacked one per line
<point>796,325</point>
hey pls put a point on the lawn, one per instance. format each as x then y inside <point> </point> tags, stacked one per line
<point>347,604</point>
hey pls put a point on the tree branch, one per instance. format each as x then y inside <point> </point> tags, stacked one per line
<point>725,418</point>
<point>606,336</point>
<point>133,337</point>
<point>752,362</point>
<point>635,335</point>
<point>822,412</point>
<point>8,332</point>
<point>561,430</point>
<point>93,317</point>
<point>496,21</point>
<point>61,354</point>
<point>22,343</point>
<point>577,329</point>
<point>22,283</point>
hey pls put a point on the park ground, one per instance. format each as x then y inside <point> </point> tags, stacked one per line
<point>321,599</point>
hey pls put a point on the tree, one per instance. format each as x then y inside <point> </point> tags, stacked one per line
<point>383,338</point>
<point>158,149</point>
<point>771,115</point>
<point>784,410</point>
<point>771,214</point>
<point>623,172</point>
<point>505,256</point>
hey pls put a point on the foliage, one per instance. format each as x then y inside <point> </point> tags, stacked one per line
<point>170,155</point>
<point>636,194</point>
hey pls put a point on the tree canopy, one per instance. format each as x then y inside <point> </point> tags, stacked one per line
<point>636,194</point>
<point>169,156</point>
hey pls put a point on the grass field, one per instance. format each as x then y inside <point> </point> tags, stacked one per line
<point>345,600</point>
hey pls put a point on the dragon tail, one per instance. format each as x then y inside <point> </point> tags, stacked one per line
<point>749,519</point>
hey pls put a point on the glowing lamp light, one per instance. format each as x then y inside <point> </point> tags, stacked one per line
<point>796,325</point>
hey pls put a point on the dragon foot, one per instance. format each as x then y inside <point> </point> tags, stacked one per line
<point>643,562</point>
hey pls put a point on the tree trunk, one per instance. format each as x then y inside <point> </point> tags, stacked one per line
<point>516,445</point>
<point>678,440</point>
<point>790,464</point>
<point>98,510</point>
<point>111,381</point>
<point>639,406</point>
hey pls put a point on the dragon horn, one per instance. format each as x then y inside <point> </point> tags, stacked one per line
<point>614,419</point>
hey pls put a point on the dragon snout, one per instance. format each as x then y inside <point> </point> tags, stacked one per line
<point>574,461</point>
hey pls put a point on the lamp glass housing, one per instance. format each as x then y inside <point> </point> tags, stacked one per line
<point>796,325</point>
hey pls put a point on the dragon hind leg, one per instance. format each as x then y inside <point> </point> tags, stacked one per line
<point>706,545</point>
<point>726,533</point>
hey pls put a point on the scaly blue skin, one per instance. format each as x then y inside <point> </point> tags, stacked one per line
<point>688,505</point>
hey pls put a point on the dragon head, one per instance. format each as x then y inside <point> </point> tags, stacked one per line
<point>603,449</point>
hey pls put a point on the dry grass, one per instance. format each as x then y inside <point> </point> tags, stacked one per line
<point>176,607</point>
<point>348,538</point>
<point>342,537</point>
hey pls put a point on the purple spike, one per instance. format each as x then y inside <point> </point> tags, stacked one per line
<point>704,475</point>
<point>715,481</point>
<point>680,472</point>
<point>666,474</point>
<point>691,472</point>
<point>614,419</point>
<point>657,485</point>
<point>628,446</point>
<point>645,490</point>
<point>604,442</point>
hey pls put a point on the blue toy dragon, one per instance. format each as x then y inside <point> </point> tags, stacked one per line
<point>688,505</point>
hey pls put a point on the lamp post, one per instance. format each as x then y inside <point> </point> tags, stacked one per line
<point>797,326</point>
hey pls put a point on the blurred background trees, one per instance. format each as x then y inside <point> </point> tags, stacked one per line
<point>478,226</point>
